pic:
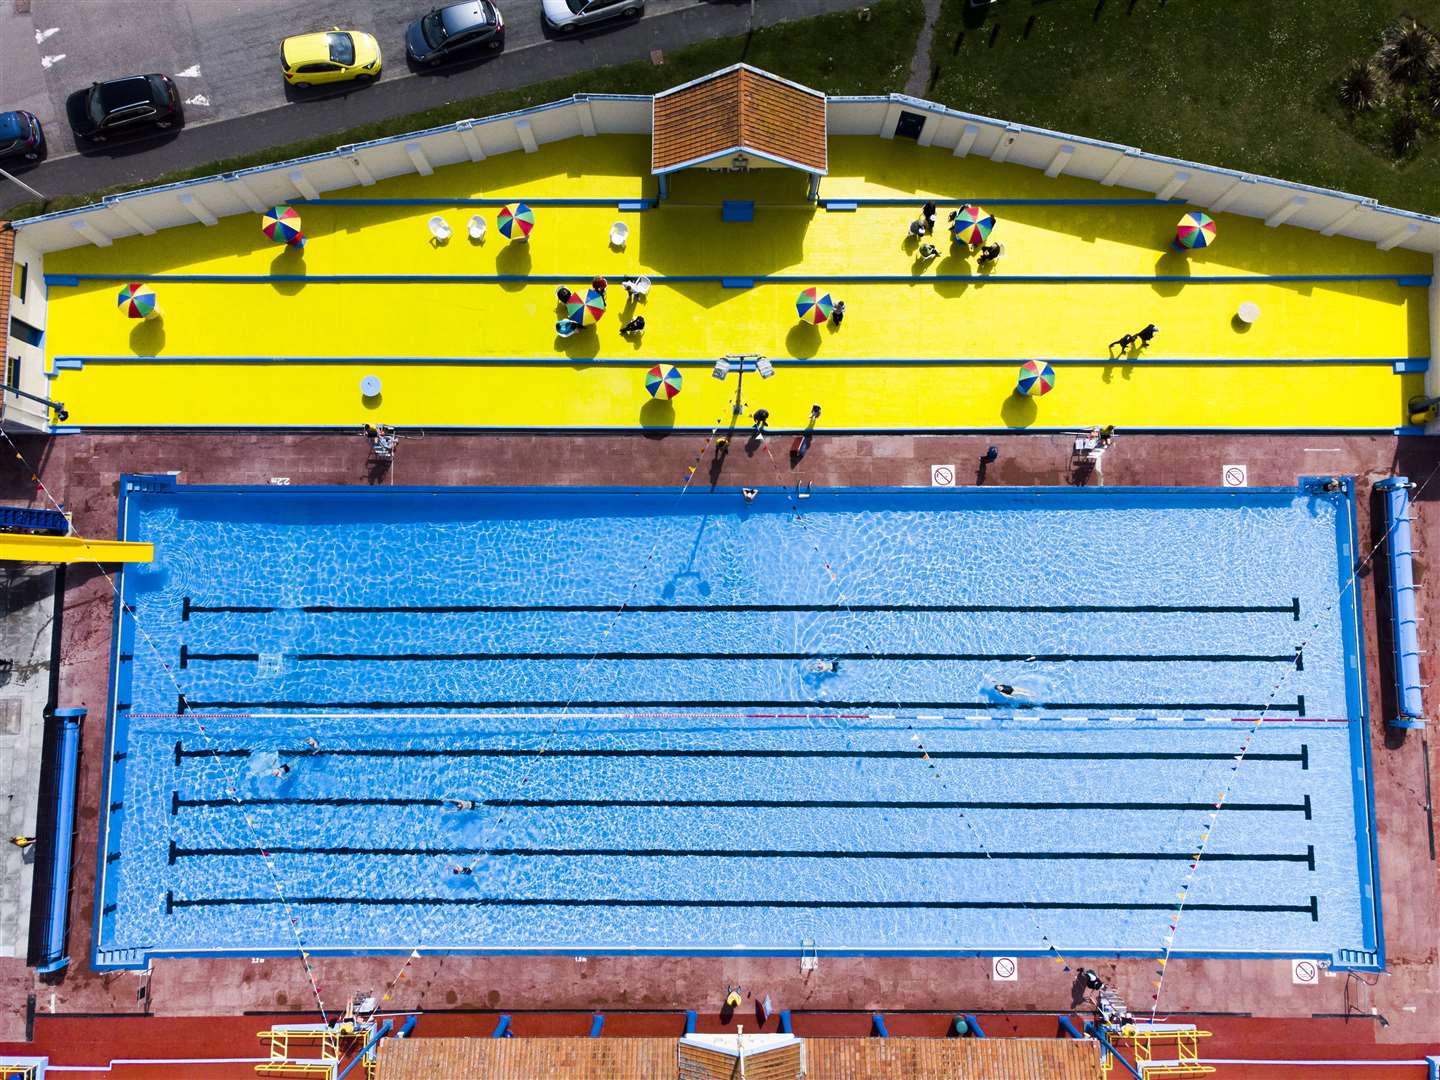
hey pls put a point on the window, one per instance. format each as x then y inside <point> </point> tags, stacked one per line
<point>21,278</point>
<point>23,331</point>
<point>12,371</point>
<point>313,69</point>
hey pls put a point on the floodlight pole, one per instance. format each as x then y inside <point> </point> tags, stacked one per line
<point>16,180</point>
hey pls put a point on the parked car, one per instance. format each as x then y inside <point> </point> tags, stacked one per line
<point>124,106</point>
<point>329,56</point>
<point>21,136</point>
<point>448,33</point>
<point>570,15</point>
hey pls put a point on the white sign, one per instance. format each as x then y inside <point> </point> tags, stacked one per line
<point>1304,972</point>
<point>1004,969</point>
<point>1235,476</point>
<point>942,475</point>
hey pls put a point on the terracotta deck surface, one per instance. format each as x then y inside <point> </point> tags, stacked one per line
<point>1390,1013</point>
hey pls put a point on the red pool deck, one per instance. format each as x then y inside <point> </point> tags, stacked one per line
<point>1391,1015</point>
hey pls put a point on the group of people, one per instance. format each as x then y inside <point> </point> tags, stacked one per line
<point>563,295</point>
<point>1139,340</point>
<point>924,226</point>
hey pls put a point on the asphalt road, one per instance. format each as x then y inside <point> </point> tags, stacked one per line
<point>224,56</point>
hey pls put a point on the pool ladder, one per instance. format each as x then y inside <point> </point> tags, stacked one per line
<point>809,955</point>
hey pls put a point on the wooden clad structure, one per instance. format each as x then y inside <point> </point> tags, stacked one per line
<point>740,110</point>
<point>664,1059</point>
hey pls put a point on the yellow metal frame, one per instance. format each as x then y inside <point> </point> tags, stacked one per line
<point>1184,1061</point>
<point>17,1072</point>
<point>38,548</point>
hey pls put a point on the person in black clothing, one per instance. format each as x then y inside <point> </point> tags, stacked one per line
<point>761,418</point>
<point>1145,336</point>
<point>634,326</point>
<point>927,214</point>
<point>837,315</point>
<point>988,254</point>
<point>1124,342</point>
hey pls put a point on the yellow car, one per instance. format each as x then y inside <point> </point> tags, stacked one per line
<point>332,55</point>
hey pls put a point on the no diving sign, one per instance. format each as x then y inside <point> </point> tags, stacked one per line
<point>1235,476</point>
<point>1004,969</point>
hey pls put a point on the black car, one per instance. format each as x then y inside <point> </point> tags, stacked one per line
<point>458,30</point>
<point>122,106</point>
<point>21,136</point>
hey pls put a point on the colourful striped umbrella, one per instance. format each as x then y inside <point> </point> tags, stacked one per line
<point>973,225</point>
<point>663,382</point>
<point>1196,230</point>
<point>138,301</point>
<point>814,306</point>
<point>282,224</point>
<point>515,222</point>
<point>586,312</point>
<point>1037,377</point>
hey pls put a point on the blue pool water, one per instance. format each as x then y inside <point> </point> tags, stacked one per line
<point>625,684</point>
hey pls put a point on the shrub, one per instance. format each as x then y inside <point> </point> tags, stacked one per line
<point>1409,53</point>
<point>1405,132</point>
<point>1361,87</point>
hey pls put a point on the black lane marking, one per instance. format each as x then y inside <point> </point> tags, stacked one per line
<point>1125,708</point>
<point>188,608</point>
<point>171,904</point>
<point>187,657</point>
<point>177,852</point>
<point>705,752</point>
<point>176,803</point>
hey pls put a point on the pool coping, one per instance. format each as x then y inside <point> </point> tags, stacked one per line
<point>1371,958</point>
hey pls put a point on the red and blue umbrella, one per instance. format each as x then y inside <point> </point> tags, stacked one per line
<point>282,224</point>
<point>1037,378</point>
<point>663,382</point>
<point>972,225</point>
<point>586,312</point>
<point>1196,230</point>
<point>515,222</point>
<point>814,306</point>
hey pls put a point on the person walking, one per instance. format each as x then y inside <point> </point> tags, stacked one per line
<point>1123,343</point>
<point>761,418</point>
<point>837,315</point>
<point>927,214</point>
<point>1147,335</point>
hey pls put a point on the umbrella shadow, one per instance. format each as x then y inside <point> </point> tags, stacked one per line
<point>148,337</point>
<point>1019,410</point>
<point>514,262</point>
<point>289,262</point>
<point>1174,263</point>
<point>657,417</point>
<point>803,340</point>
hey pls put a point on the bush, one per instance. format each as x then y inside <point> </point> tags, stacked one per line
<point>1405,132</point>
<point>1361,87</point>
<point>1409,53</point>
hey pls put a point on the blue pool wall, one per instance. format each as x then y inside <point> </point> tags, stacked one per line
<point>123,646</point>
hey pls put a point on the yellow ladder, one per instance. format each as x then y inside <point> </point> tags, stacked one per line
<point>1181,1046</point>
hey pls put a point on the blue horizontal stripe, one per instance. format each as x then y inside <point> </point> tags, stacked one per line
<point>1409,363</point>
<point>616,202</point>
<point>983,201</point>
<point>1408,280</point>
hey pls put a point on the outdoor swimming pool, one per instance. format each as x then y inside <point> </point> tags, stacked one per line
<point>624,682</point>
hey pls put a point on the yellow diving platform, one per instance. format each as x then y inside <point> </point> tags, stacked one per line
<point>39,548</point>
<point>1178,1043</point>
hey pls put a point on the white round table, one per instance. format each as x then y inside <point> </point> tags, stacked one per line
<point>1249,312</point>
<point>370,386</point>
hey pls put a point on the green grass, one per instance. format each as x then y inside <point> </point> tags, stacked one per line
<point>836,53</point>
<point>1245,84</point>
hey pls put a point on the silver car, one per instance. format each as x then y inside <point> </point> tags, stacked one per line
<point>567,16</point>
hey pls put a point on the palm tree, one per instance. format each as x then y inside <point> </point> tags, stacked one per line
<point>1405,133</point>
<point>1409,53</point>
<point>1361,87</point>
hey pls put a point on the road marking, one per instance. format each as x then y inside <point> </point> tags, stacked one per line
<point>192,72</point>
<point>49,61</point>
<point>41,35</point>
<point>198,99</point>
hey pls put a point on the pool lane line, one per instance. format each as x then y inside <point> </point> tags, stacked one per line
<point>171,904</point>
<point>187,657</point>
<point>187,608</point>
<point>184,705</point>
<point>177,803</point>
<point>177,852</point>
<point>1303,756</point>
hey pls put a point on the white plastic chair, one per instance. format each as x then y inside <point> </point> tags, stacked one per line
<point>638,287</point>
<point>477,228</point>
<point>619,233</point>
<point>439,228</point>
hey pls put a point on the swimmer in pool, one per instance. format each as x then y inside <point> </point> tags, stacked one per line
<point>825,667</point>
<point>462,804</point>
<point>1006,690</point>
<point>281,771</point>
<point>462,870</point>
